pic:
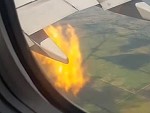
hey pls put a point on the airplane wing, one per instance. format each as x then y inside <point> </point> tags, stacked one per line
<point>41,13</point>
<point>34,15</point>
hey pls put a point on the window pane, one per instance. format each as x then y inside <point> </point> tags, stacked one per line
<point>109,59</point>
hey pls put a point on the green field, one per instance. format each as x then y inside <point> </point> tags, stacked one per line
<point>116,52</point>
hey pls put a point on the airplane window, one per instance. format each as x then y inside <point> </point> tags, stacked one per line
<point>96,58</point>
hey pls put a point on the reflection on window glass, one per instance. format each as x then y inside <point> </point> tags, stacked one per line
<point>109,61</point>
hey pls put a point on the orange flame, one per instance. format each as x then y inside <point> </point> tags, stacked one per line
<point>69,77</point>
